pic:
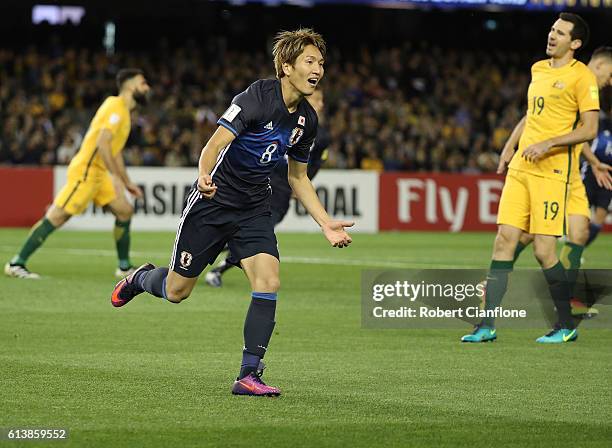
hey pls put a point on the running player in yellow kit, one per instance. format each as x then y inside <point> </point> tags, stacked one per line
<point>562,93</point>
<point>96,173</point>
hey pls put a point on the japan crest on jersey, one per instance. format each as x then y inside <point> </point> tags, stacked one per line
<point>296,135</point>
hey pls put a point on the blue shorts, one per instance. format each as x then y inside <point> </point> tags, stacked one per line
<point>206,227</point>
<point>598,196</point>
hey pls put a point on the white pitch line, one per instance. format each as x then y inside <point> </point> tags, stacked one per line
<point>284,259</point>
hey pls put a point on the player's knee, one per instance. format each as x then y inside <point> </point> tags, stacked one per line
<point>267,284</point>
<point>57,216</point>
<point>125,213</point>
<point>582,238</point>
<point>526,239</point>
<point>545,257</point>
<point>504,242</point>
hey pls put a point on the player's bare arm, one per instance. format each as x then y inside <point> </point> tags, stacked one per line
<point>305,192</point>
<point>601,171</point>
<point>208,158</point>
<point>510,146</point>
<point>130,186</point>
<point>581,134</point>
<point>104,148</point>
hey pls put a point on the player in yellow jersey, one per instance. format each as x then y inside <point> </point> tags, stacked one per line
<point>562,93</point>
<point>578,210</point>
<point>96,174</point>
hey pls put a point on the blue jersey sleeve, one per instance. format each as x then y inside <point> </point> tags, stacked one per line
<point>602,146</point>
<point>243,111</point>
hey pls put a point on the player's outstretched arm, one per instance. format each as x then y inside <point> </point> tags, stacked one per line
<point>510,146</point>
<point>130,186</point>
<point>208,158</point>
<point>305,192</point>
<point>601,171</point>
<point>581,134</point>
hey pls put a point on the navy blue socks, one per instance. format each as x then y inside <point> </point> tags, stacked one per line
<point>258,327</point>
<point>153,281</point>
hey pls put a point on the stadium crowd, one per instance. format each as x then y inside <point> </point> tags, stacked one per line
<point>405,108</point>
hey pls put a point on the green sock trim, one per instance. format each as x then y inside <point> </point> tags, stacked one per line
<point>571,255</point>
<point>501,265</point>
<point>124,224</point>
<point>570,259</point>
<point>560,292</point>
<point>122,243</point>
<point>519,248</point>
<point>497,284</point>
<point>556,272</point>
<point>39,233</point>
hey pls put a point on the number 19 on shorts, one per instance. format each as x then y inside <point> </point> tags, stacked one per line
<point>551,210</point>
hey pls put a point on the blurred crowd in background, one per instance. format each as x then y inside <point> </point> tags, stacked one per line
<point>415,107</point>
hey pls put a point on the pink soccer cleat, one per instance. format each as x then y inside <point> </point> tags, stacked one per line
<point>126,290</point>
<point>253,385</point>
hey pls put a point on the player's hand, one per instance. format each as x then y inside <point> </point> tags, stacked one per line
<point>134,190</point>
<point>206,187</point>
<point>504,159</point>
<point>601,171</point>
<point>335,233</point>
<point>533,153</point>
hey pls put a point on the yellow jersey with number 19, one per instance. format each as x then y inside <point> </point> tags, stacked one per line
<point>555,100</point>
<point>113,115</point>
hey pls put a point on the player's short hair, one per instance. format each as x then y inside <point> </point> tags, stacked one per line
<point>288,45</point>
<point>602,53</point>
<point>580,30</point>
<point>125,74</point>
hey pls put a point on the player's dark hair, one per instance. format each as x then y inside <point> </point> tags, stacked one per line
<point>288,45</point>
<point>580,30</point>
<point>602,53</point>
<point>125,74</point>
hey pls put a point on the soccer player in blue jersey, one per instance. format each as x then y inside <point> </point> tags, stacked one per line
<point>600,197</point>
<point>230,201</point>
<point>281,191</point>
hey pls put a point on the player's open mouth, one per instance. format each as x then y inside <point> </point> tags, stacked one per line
<point>313,81</point>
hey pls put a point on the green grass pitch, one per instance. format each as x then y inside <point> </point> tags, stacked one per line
<point>157,375</point>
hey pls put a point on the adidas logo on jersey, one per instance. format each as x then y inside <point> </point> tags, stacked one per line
<point>269,126</point>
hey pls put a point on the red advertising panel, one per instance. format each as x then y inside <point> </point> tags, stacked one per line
<point>25,194</point>
<point>445,202</point>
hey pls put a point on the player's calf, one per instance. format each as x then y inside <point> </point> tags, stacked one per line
<point>176,287</point>
<point>177,295</point>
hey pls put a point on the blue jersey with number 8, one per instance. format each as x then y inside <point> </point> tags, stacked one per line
<point>265,132</point>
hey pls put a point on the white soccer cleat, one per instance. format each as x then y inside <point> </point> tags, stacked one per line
<point>18,271</point>
<point>213,279</point>
<point>120,273</point>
